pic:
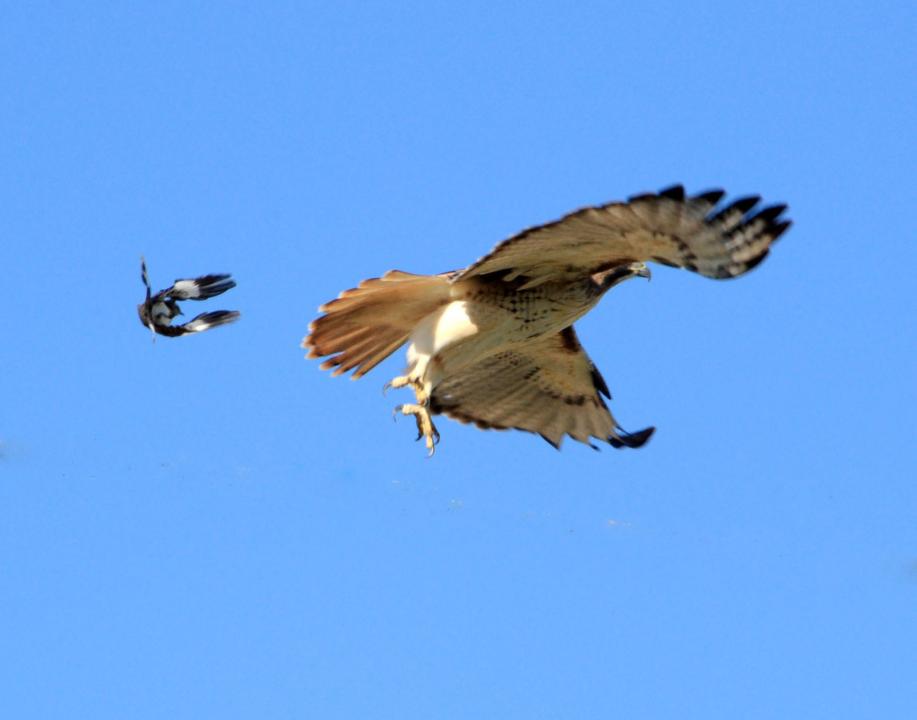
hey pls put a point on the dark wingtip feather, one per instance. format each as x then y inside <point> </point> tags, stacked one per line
<point>770,213</point>
<point>549,441</point>
<point>675,192</point>
<point>598,382</point>
<point>779,228</point>
<point>744,204</point>
<point>631,440</point>
<point>711,196</point>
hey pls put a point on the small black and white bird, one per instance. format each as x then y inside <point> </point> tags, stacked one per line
<point>158,311</point>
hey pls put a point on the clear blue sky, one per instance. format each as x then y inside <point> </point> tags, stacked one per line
<point>212,527</point>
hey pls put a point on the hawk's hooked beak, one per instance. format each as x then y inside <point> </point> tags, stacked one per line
<point>640,269</point>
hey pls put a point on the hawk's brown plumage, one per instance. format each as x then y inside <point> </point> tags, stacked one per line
<point>493,344</point>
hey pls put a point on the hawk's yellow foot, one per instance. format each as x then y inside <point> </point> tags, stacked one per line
<point>405,381</point>
<point>425,427</point>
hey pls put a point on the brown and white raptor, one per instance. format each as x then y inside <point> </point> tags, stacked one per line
<point>494,344</point>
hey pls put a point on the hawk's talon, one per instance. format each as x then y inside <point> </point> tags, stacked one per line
<point>425,427</point>
<point>399,382</point>
<point>419,427</point>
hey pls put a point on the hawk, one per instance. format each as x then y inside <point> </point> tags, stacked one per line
<point>494,344</point>
<point>157,311</point>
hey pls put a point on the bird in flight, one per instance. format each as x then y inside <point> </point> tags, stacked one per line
<point>157,311</point>
<point>494,344</point>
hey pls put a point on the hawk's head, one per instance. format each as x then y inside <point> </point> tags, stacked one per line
<point>607,279</point>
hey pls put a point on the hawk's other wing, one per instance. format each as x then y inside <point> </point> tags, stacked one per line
<point>548,386</point>
<point>668,228</point>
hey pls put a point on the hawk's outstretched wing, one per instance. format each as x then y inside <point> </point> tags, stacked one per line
<point>667,227</point>
<point>548,386</point>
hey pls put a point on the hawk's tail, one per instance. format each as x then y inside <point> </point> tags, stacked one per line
<point>366,324</point>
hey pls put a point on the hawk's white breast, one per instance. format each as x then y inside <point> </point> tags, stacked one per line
<point>447,326</point>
